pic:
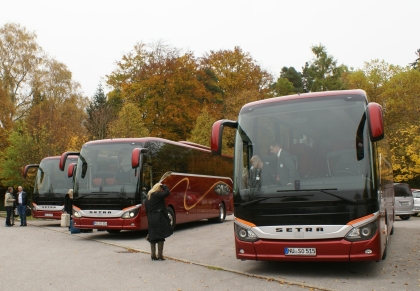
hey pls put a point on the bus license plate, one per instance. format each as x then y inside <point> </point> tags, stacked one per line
<point>48,214</point>
<point>101,223</point>
<point>300,251</point>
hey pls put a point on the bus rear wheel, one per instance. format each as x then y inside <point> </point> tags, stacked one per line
<point>222,214</point>
<point>171,216</point>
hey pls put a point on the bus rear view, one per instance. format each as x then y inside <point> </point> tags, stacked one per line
<point>312,178</point>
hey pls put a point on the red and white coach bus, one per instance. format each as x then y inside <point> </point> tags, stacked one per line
<point>340,206</point>
<point>112,178</point>
<point>51,185</point>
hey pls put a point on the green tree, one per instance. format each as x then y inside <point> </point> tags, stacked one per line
<point>322,73</point>
<point>128,124</point>
<point>415,65</point>
<point>99,115</point>
<point>289,82</point>
<point>201,132</point>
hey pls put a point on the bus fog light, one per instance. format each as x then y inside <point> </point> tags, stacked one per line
<point>368,251</point>
<point>241,251</point>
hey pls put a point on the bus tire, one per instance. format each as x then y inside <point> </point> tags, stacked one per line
<point>405,217</point>
<point>222,214</point>
<point>172,219</point>
<point>113,230</point>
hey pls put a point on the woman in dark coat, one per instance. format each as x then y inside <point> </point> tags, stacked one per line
<point>158,221</point>
<point>68,203</point>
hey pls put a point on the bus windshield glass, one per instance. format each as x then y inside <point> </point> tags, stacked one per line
<point>325,140</point>
<point>105,170</point>
<point>50,180</point>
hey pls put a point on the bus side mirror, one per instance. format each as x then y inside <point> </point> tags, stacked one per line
<point>71,169</point>
<point>26,169</point>
<point>375,121</point>
<point>63,159</point>
<point>136,156</point>
<point>217,132</point>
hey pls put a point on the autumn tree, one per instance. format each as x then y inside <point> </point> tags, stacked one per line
<point>99,116</point>
<point>21,58</point>
<point>165,84</point>
<point>322,73</point>
<point>128,124</point>
<point>237,72</point>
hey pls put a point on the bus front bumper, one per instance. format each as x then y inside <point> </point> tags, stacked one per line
<point>339,250</point>
<point>106,223</point>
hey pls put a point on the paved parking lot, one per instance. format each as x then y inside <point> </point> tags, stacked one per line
<point>200,257</point>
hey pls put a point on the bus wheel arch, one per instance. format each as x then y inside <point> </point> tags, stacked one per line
<point>222,214</point>
<point>171,215</point>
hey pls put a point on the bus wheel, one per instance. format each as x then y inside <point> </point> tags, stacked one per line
<point>171,215</point>
<point>405,217</point>
<point>113,230</point>
<point>222,214</point>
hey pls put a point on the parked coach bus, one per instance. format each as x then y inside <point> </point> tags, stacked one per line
<point>51,185</point>
<point>112,178</point>
<point>339,205</point>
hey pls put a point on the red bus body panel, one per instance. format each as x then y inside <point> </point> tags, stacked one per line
<point>192,198</point>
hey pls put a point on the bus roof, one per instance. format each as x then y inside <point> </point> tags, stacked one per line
<point>307,95</point>
<point>146,139</point>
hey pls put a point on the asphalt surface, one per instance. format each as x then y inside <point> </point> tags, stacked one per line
<point>200,256</point>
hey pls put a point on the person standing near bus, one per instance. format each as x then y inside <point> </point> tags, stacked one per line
<point>22,201</point>
<point>286,167</point>
<point>68,203</point>
<point>259,175</point>
<point>8,204</point>
<point>158,220</point>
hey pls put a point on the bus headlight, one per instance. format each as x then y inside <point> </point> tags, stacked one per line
<point>130,213</point>
<point>245,234</point>
<point>76,214</point>
<point>363,232</point>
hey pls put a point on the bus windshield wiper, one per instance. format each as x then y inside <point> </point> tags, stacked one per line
<point>255,201</point>
<point>323,191</point>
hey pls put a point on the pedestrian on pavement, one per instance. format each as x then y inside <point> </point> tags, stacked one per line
<point>159,225</point>
<point>68,203</point>
<point>22,201</point>
<point>8,204</point>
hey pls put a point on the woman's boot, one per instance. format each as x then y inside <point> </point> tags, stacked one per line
<point>153,251</point>
<point>160,251</point>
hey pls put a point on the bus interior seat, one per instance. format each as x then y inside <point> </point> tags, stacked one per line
<point>305,159</point>
<point>97,182</point>
<point>110,181</point>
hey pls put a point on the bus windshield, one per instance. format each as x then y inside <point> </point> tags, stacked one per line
<point>327,142</point>
<point>105,170</point>
<point>50,180</point>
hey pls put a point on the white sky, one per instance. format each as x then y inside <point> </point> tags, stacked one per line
<point>89,36</point>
